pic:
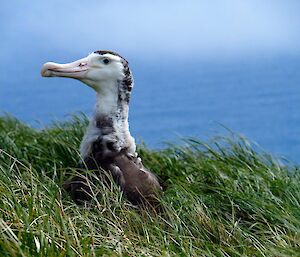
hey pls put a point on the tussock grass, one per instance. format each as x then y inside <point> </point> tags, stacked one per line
<point>222,198</point>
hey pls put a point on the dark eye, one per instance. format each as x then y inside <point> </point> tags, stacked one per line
<point>106,61</point>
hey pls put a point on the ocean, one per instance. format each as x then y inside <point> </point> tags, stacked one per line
<point>257,97</point>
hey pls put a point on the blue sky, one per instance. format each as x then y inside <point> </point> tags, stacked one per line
<point>203,28</point>
<point>257,96</point>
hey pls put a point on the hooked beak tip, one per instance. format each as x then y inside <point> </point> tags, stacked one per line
<point>45,71</point>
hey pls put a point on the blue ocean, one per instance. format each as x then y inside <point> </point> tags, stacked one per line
<point>257,97</point>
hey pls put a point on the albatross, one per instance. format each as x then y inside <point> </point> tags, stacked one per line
<point>107,143</point>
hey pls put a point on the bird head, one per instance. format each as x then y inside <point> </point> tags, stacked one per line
<point>103,71</point>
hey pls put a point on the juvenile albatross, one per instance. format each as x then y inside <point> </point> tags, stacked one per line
<point>107,142</point>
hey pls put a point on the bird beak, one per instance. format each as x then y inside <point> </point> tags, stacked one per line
<point>76,70</point>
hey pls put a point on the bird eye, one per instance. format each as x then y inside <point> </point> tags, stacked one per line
<point>106,61</point>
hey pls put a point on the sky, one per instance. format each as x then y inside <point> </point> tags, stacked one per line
<point>159,38</point>
<point>222,28</point>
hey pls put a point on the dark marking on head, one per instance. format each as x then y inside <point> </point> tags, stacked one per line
<point>126,84</point>
<point>102,52</point>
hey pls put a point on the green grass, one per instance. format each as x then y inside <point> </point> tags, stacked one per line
<point>222,199</point>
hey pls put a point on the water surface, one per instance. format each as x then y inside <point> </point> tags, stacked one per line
<point>257,97</point>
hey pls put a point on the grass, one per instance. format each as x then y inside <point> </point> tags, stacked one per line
<point>222,199</point>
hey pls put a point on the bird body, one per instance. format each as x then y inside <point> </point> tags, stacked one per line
<point>136,181</point>
<point>107,143</point>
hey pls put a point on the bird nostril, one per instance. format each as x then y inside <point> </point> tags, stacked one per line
<point>82,64</point>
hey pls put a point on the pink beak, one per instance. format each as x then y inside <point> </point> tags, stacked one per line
<point>76,70</point>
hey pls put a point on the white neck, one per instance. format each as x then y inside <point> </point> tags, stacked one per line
<point>109,124</point>
<point>107,99</point>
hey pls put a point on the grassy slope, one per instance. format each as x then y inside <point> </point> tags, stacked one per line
<point>222,199</point>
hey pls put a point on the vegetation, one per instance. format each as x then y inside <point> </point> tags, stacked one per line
<point>221,199</point>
